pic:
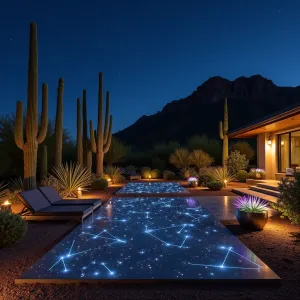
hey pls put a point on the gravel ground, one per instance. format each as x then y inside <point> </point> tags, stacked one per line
<point>278,245</point>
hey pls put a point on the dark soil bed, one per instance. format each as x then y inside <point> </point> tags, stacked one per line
<point>278,246</point>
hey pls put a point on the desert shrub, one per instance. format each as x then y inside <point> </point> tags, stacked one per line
<point>99,184</point>
<point>187,172</point>
<point>155,174</point>
<point>130,169</point>
<point>50,181</point>
<point>288,202</point>
<point>236,162</point>
<point>180,158</point>
<point>70,177</point>
<point>169,175</point>
<point>242,175</point>
<point>211,146</point>
<point>145,172</point>
<point>114,173</point>
<point>204,179</point>
<point>244,148</point>
<point>158,163</point>
<point>215,185</point>
<point>200,159</point>
<point>12,228</point>
<point>219,174</point>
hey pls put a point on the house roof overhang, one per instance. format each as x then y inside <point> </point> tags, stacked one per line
<point>277,122</point>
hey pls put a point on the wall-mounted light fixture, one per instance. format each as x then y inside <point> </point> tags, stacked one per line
<point>269,141</point>
<point>282,143</point>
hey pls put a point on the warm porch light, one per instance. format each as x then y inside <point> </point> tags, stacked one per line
<point>149,177</point>
<point>269,141</point>
<point>79,193</point>
<point>282,143</point>
<point>225,182</point>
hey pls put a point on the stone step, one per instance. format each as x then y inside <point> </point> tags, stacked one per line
<point>264,191</point>
<point>247,192</point>
<point>268,186</point>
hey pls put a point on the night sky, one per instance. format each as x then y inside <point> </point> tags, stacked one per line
<point>150,52</point>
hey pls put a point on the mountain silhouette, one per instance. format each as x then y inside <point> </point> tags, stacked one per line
<point>249,98</point>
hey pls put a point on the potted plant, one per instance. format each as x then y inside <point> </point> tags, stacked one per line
<point>251,212</point>
<point>193,181</point>
<point>257,173</point>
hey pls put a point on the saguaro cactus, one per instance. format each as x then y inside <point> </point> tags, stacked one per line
<point>33,137</point>
<point>79,133</point>
<point>59,124</point>
<point>44,162</point>
<point>100,142</point>
<point>84,129</point>
<point>224,134</point>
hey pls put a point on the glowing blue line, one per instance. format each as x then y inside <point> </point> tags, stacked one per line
<point>158,238</point>
<point>100,233</point>
<point>55,264</point>
<point>76,253</point>
<point>64,264</point>
<point>111,272</point>
<point>247,259</point>
<point>173,226</point>
<point>229,249</point>
<point>71,247</point>
<point>183,242</point>
<point>225,267</point>
<point>182,228</point>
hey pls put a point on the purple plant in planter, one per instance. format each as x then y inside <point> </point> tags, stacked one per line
<point>192,179</point>
<point>251,204</point>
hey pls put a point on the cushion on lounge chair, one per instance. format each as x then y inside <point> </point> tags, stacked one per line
<point>55,199</point>
<point>64,210</point>
<point>34,200</point>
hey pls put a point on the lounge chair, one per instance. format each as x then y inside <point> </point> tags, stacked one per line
<point>289,172</point>
<point>55,199</point>
<point>38,208</point>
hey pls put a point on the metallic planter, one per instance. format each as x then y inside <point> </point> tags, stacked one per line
<point>253,221</point>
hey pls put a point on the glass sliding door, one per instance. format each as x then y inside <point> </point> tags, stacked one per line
<point>295,149</point>
<point>284,151</point>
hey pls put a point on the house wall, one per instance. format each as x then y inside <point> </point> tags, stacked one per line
<point>267,154</point>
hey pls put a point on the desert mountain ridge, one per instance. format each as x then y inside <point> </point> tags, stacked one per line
<point>249,98</point>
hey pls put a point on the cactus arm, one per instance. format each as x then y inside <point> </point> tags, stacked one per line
<point>84,128</point>
<point>79,133</point>
<point>59,124</point>
<point>93,140</point>
<point>225,117</point>
<point>32,88</point>
<point>44,118</point>
<point>221,131</point>
<point>107,145</point>
<point>106,128</point>
<point>18,130</point>
<point>100,115</point>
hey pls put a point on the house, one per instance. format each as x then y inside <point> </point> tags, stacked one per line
<point>278,141</point>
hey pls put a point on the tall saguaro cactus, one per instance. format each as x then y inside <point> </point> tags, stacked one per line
<point>79,133</point>
<point>100,142</point>
<point>224,135</point>
<point>84,129</point>
<point>33,135</point>
<point>59,124</point>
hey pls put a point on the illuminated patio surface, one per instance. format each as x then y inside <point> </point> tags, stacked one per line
<point>149,239</point>
<point>152,188</point>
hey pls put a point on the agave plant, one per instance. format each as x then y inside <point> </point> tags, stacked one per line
<point>187,172</point>
<point>70,177</point>
<point>220,174</point>
<point>114,173</point>
<point>251,204</point>
<point>200,159</point>
<point>3,190</point>
<point>50,180</point>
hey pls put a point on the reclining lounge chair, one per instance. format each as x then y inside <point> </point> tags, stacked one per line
<point>55,199</point>
<point>37,208</point>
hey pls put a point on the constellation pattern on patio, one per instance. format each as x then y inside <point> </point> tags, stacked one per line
<point>150,238</point>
